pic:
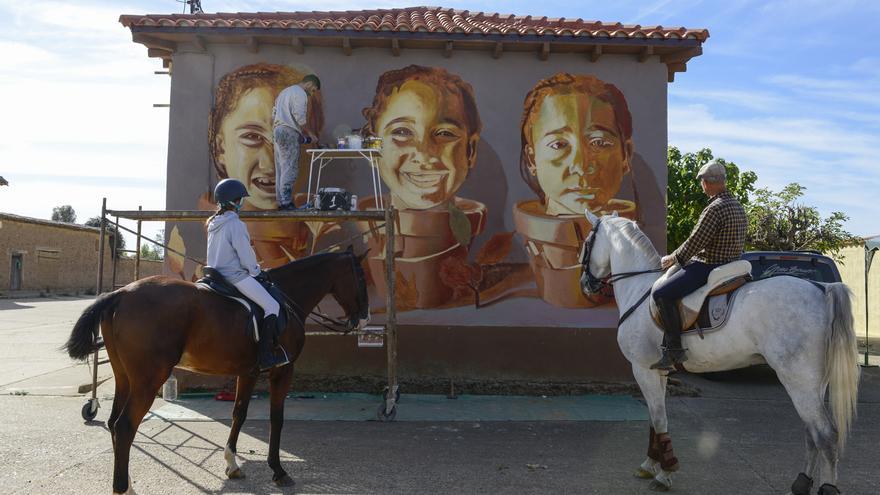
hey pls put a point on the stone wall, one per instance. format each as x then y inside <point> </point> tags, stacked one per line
<point>59,257</point>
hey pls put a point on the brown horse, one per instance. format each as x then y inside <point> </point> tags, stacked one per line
<point>152,325</point>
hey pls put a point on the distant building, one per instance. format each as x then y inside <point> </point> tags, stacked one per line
<point>852,271</point>
<point>46,256</point>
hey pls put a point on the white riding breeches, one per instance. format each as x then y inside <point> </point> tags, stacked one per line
<point>256,293</point>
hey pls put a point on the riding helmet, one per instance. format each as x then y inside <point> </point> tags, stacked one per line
<point>229,190</point>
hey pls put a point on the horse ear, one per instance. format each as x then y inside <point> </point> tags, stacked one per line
<point>590,217</point>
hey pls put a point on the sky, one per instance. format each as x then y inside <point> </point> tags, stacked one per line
<point>789,89</point>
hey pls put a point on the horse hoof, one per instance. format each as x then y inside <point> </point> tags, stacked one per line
<point>284,481</point>
<point>236,474</point>
<point>643,474</point>
<point>659,487</point>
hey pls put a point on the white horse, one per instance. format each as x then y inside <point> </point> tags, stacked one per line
<point>806,335</point>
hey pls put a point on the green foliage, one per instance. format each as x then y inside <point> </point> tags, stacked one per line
<point>148,252</point>
<point>111,232</point>
<point>778,222</point>
<point>685,198</point>
<point>64,214</point>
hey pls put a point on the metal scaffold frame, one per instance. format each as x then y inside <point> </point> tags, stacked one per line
<point>388,409</point>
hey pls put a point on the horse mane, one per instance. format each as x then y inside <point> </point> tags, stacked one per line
<point>634,236</point>
<point>307,262</point>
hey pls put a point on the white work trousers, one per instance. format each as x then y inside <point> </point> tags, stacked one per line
<point>256,293</point>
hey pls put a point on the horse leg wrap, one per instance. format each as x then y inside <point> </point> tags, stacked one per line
<point>802,485</point>
<point>668,461</point>
<point>654,447</point>
<point>828,489</point>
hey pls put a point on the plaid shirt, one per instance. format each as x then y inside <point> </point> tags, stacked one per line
<point>720,234</point>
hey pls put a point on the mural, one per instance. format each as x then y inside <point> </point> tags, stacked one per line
<point>575,151</point>
<point>429,125</point>
<point>241,146</point>
<point>576,137</point>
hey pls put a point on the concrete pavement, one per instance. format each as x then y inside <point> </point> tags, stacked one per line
<point>740,436</point>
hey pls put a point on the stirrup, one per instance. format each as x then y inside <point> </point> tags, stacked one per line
<point>667,362</point>
<point>275,360</point>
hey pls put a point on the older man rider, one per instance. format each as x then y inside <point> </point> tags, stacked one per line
<point>717,239</point>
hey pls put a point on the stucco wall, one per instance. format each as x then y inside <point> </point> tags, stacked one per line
<point>852,271</point>
<point>500,86</point>
<point>59,258</point>
<point>536,339</point>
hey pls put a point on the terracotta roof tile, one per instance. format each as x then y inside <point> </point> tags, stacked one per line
<point>416,19</point>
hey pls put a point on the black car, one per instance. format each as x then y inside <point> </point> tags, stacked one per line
<point>811,265</point>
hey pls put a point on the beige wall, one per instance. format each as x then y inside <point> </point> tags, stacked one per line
<point>58,257</point>
<point>852,271</point>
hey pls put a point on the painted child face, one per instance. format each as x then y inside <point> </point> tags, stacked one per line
<point>426,148</point>
<point>578,154</point>
<point>246,139</point>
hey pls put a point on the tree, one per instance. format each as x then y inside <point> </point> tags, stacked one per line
<point>111,232</point>
<point>778,222</point>
<point>149,252</point>
<point>685,199</point>
<point>160,238</point>
<point>64,214</point>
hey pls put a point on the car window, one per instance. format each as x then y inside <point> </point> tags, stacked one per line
<point>819,272</point>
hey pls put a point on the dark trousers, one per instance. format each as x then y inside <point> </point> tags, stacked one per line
<point>680,284</point>
<point>684,281</point>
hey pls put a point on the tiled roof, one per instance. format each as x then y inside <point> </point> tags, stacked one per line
<point>435,20</point>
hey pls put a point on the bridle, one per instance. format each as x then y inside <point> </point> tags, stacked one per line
<point>334,324</point>
<point>591,284</point>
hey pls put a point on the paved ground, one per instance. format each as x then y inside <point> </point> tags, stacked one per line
<point>740,436</point>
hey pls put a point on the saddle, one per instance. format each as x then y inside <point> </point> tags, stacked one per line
<point>215,282</point>
<point>707,308</point>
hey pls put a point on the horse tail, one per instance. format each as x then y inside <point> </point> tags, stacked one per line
<point>841,360</point>
<point>82,339</point>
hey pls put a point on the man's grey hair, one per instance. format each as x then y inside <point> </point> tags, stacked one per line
<point>715,179</point>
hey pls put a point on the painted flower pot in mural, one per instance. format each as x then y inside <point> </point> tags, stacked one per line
<point>553,245</point>
<point>423,240</point>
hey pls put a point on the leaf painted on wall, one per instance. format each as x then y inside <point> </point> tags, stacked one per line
<point>455,273</point>
<point>496,249</point>
<point>406,294</point>
<point>175,261</point>
<point>459,225</point>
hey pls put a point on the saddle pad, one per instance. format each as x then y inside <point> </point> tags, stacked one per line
<point>713,315</point>
<point>243,302</point>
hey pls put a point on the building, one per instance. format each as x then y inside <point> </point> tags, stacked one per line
<point>56,257</point>
<point>852,270</point>
<point>497,131</point>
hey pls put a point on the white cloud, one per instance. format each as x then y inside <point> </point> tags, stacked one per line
<point>837,164</point>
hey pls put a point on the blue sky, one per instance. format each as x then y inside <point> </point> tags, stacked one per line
<point>789,89</point>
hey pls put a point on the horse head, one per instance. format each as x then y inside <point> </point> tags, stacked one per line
<point>351,291</point>
<point>595,257</point>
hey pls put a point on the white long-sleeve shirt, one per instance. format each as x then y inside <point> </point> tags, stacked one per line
<point>229,248</point>
<point>291,108</point>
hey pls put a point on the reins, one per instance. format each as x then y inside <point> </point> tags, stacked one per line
<point>319,318</point>
<point>594,284</point>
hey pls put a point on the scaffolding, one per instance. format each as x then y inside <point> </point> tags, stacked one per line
<point>388,408</point>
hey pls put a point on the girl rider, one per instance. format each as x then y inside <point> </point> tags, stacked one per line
<point>231,254</point>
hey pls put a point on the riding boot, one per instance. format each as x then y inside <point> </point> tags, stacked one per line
<point>270,357</point>
<point>672,350</point>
